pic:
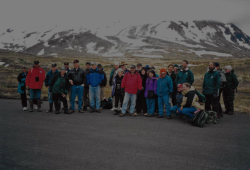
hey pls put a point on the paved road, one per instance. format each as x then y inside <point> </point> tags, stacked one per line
<point>42,140</point>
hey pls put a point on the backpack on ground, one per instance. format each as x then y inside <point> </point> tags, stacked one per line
<point>201,97</point>
<point>212,117</point>
<point>107,104</point>
<point>199,119</point>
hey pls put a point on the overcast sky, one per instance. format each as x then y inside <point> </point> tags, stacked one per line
<point>20,14</point>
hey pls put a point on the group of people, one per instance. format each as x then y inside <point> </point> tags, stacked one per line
<point>137,90</point>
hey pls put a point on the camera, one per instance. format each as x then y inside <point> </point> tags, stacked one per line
<point>37,79</point>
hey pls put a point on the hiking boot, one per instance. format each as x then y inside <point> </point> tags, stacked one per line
<point>50,108</point>
<point>98,110</point>
<point>112,109</point>
<point>91,110</point>
<point>66,111</point>
<point>31,106</point>
<point>39,106</point>
<point>81,111</point>
<point>168,117</point>
<point>121,115</point>
<point>159,116</point>
<point>137,114</point>
<point>133,115</point>
<point>57,112</point>
<point>71,111</point>
<point>149,115</point>
<point>36,107</point>
<point>84,108</point>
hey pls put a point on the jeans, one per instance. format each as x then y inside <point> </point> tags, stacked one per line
<point>161,101</point>
<point>50,96</point>
<point>150,106</point>
<point>94,97</point>
<point>126,100</point>
<point>174,110</point>
<point>76,90</point>
<point>189,112</point>
<point>35,94</point>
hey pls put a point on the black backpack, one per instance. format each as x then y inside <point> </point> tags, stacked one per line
<point>107,104</point>
<point>199,119</point>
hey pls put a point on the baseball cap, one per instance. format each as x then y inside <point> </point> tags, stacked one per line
<point>53,65</point>
<point>36,62</point>
<point>139,64</point>
<point>63,69</point>
<point>66,63</point>
<point>216,64</point>
<point>24,68</point>
<point>99,65</point>
<point>132,66</point>
<point>88,63</point>
<point>76,61</point>
<point>179,85</point>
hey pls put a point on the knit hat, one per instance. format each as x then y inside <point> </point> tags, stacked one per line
<point>216,64</point>
<point>176,65</point>
<point>163,70</point>
<point>228,67</point>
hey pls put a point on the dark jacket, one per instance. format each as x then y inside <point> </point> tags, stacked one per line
<point>104,81</point>
<point>211,82</point>
<point>144,79</point>
<point>232,81</point>
<point>111,77</point>
<point>173,77</point>
<point>190,97</point>
<point>77,76</point>
<point>222,78</point>
<point>21,82</point>
<point>179,97</point>
<point>117,85</point>
<point>49,77</point>
<point>59,84</point>
<point>94,77</point>
<point>185,76</point>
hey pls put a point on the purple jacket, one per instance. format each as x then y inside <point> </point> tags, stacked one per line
<point>151,84</point>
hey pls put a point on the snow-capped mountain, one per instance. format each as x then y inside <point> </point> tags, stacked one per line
<point>148,40</point>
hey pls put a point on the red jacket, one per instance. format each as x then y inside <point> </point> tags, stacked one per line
<point>132,83</point>
<point>31,78</point>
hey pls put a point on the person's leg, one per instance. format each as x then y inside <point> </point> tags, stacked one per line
<point>65,103</point>
<point>121,101</point>
<point>38,97</point>
<point>215,105</point>
<point>133,103</point>
<point>208,102</point>
<point>23,99</point>
<point>220,109</point>
<point>173,109</point>
<point>144,105</point>
<point>91,97</point>
<point>73,97</point>
<point>138,104</point>
<point>32,98</point>
<point>160,105</point>
<point>97,97</point>
<point>167,104</point>
<point>55,99</point>
<point>148,105</point>
<point>151,108</point>
<point>189,112</point>
<point>85,95</point>
<point>79,95</point>
<point>117,99</point>
<point>125,102</point>
<point>231,98</point>
<point>225,99</point>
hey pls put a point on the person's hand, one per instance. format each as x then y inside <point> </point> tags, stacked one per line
<point>50,92</point>
<point>63,95</point>
<point>122,91</point>
<point>181,108</point>
<point>47,87</point>
<point>177,111</point>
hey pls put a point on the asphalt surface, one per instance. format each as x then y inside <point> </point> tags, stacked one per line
<point>41,140</point>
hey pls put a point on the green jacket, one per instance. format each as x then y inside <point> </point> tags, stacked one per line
<point>185,76</point>
<point>232,81</point>
<point>211,82</point>
<point>111,77</point>
<point>59,84</point>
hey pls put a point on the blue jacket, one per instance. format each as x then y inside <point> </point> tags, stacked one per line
<point>164,86</point>
<point>21,82</point>
<point>94,77</point>
<point>179,97</point>
<point>49,77</point>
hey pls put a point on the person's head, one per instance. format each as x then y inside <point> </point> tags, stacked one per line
<point>184,64</point>
<point>217,65</point>
<point>211,66</point>
<point>186,86</point>
<point>116,65</point>
<point>76,64</point>
<point>143,71</point>
<point>139,66</point>
<point>228,69</point>
<point>179,87</point>
<point>24,69</point>
<point>53,67</point>
<point>176,67</point>
<point>120,72</point>
<point>170,67</point>
<point>66,65</point>
<point>93,65</point>
<point>132,69</point>
<point>88,64</point>
<point>123,67</point>
<point>99,66</point>
<point>36,63</point>
<point>151,73</point>
<point>63,70</point>
<point>163,72</point>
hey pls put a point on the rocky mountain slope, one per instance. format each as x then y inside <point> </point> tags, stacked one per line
<point>168,38</point>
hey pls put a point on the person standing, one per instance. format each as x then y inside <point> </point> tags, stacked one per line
<point>229,90</point>
<point>132,86</point>
<point>86,88</point>
<point>164,90</point>
<point>139,67</point>
<point>76,78</point>
<point>94,81</point>
<point>150,93</point>
<point>117,92</point>
<point>123,66</point>
<point>172,74</point>
<point>141,103</point>
<point>22,88</point>
<point>185,75</point>
<point>211,86</point>
<point>104,81</point>
<point>111,79</point>
<point>222,85</point>
<point>66,65</point>
<point>48,79</point>
<point>34,81</point>
<point>59,87</point>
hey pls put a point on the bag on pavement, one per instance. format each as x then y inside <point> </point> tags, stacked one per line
<point>212,117</point>
<point>199,119</point>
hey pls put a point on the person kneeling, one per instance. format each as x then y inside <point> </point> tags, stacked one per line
<point>59,88</point>
<point>178,99</point>
<point>189,103</point>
